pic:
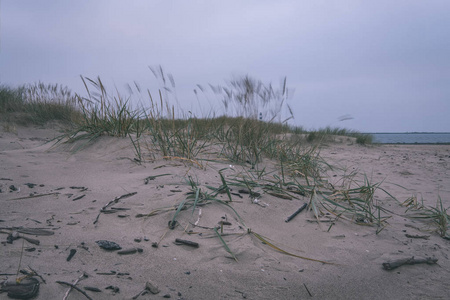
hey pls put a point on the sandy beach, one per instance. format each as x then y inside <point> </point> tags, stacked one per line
<point>56,190</point>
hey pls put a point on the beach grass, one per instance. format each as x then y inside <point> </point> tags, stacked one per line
<point>11,99</point>
<point>39,103</point>
<point>327,133</point>
<point>436,217</point>
<point>240,138</point>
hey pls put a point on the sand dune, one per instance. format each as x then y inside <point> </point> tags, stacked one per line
<point>71,188</point>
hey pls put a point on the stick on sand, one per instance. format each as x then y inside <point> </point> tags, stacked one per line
<point>113,202</point>
<point>296,213</point>
<point>72,286</point>
<point>408,261</point>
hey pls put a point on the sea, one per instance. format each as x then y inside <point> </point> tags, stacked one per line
<point>412,138</point>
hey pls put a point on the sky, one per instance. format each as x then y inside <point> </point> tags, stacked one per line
<point>370,66</point>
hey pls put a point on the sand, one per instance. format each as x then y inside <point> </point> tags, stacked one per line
<point>77,185</point>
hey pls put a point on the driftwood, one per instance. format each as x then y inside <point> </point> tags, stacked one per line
<point>408,261</point>
<point>31,231</point>
<point>35,231</point>
<point>14,235</point>
<point>29,240</point>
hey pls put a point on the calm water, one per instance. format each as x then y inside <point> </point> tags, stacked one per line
<point>411,138</point>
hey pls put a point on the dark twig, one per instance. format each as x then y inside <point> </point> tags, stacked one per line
<point>37,274</point>
<point>79,197</point>
<point>113,202</point>
<point>33,196</point>
<point>186,242</point>
<point>308,290</point>
<point>75,287</point>
<point>296,213</point>
<point>74,283</point>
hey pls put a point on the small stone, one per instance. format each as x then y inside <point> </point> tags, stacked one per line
<point>108,245</point>
<point>166,296</point>
<point>115,289</point>
<point>152,287</point>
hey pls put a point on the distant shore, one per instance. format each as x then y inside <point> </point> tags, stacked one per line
<point>441,138</point>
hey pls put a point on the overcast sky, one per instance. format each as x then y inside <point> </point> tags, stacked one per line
<point>385,64</point>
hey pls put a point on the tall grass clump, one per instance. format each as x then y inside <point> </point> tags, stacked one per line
<point>437,217</point>
<point>250,98</point>
<point>175,137</point>
<point>253,117</point>
<point>240,134</point>
<point>11,99</point>
<point>47,102</point>
<point>105,114</point>
<point>245,140</point>
<point>253,127</point>
<point>39,103</point>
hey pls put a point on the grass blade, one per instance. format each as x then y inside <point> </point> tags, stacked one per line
<point>265,241</point>
<point>225,244</point>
